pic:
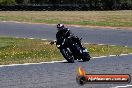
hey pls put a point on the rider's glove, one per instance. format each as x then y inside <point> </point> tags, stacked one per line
<point>52,42</point>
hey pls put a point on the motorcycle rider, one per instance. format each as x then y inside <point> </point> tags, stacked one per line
<point>65,33</point>
<point>64,42</point>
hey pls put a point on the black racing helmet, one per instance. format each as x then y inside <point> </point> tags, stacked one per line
<point>60,26</point>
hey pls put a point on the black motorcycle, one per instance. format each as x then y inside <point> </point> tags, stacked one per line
<point>71,50</point>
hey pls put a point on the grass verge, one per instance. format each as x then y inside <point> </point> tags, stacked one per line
<point>22,50</point>
<point>92,18</point>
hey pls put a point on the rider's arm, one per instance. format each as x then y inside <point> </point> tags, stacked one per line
<point>68,33</point>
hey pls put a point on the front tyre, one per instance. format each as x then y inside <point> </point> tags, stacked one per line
<point>67,54</point>
<point>86,57</point>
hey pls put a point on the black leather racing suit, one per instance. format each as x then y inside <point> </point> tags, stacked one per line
<point>65,33</point>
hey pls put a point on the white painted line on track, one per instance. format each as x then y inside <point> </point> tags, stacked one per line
<point>101,44</point>
<point>31,38</point>
<point>112,55</point>
<point>122,86</point>
<point>43,39</point>
<point>32,63</point>
<point>55,40</point>
<point>112,45</point>
<point>69,25</point>
<point>17,22</point>
<point>100,57</point>
<point>85,43</point>
<point>57,61</point>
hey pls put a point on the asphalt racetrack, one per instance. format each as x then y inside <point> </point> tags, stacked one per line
<point>63,74</point>
<point>90,35</point>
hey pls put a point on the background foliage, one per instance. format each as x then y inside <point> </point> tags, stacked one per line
<point>94,4</point>
<point>7,2</point>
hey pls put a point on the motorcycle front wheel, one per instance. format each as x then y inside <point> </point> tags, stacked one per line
<point>86,57</point>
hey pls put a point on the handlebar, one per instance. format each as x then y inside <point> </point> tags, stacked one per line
<point>80,39</point>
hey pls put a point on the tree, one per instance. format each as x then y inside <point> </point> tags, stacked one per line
<point>19,1</point>
<point>7,2</point>
<point>24,1</point>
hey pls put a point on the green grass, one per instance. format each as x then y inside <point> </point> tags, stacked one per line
<point>92,18</point>
<point>104,50</point>
<point>20,50</point>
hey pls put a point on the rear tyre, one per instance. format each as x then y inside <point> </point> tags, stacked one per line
<point>67,54</point>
